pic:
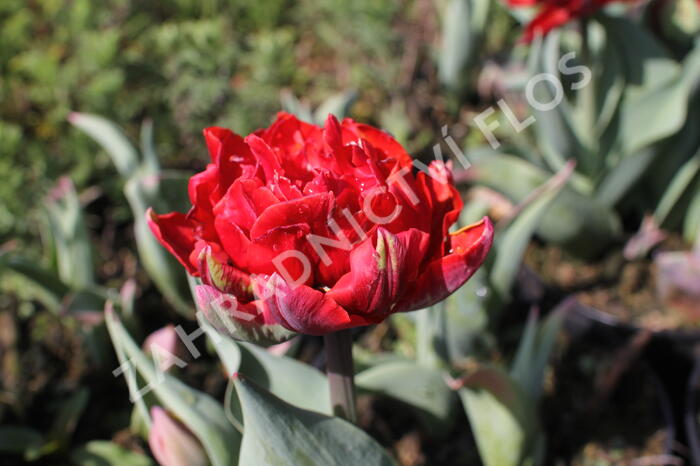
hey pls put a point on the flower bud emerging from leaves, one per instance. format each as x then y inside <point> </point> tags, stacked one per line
<point>172,443</point>
<point>166,347</point>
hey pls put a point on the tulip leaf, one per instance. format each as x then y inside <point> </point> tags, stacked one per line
<point>104,453</point>
<point>290,103</point>
<point>145,186</point>
<point>463,24</point>
<point>274,373</point>
<point>198,411</point>
<point>422,388</point>
<point>679,185</point>
<point>69,236</point>
<point>338,105</point>
<point>293,381</point>
<point>161,266</point>
<point>53,289</point>
<point>148,149</point>
<point>225,347</point>
<point>501,419</point>
<point>558,136</point>
<point>277,433</point>
<point>111,138</point>
<point>623,176</point>
<point>466,320</point>
<point>580,223</point>
<point>511,244</point>
<point>535,348</point>
<point>655,86</point>
<point>691,227</point>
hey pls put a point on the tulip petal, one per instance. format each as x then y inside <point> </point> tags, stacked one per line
<point>381,140</point>
<point>266,157</point>
<point>172,443</point>
<point>201,188</point>
<point>379,273</point>
<point>176,233</point>
<point>444,276</point>
<point>242,321</point>
<point>312,210</point>
<point>303,309</point>
<point>224,277</point>
<point>244,201</point>
<point>229,152</point>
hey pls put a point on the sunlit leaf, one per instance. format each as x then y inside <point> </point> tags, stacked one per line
<point>277,433</point>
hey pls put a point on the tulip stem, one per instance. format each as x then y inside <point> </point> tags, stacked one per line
<point>339,368</point>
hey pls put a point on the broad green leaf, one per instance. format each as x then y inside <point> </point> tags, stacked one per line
<point>535,348</point>
<point>293,381</point>
<point>558,137</point>
<point>610,85</point>
<point>511,244</point>
<point>165,271</point>
<point>502,421</point>
<point>579,223</point>
<point>51,285</point>
<point>655,86</point>
<point>278,374</point>
<point>112,140</point>
<point>104,453</point>
<point>69,236</point>
<point>422,388</point>
<point>148,149</point>
<point>279,434</point>
<point>225,347</point>
<point>678,186</point>
<point>463,24</point>
<point>691,226</point>
<point>465,334</point>
<point>198,411</point>
<point>620,178</point>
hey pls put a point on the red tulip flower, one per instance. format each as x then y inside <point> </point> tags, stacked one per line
<point>556,13</point>
<point>312,230</point>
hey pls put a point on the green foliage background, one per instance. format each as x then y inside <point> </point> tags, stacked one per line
<point>186,64</point>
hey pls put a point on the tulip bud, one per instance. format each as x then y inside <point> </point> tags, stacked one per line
<point>680,20</point>
<point>172,443</point>
<point>165,346</point>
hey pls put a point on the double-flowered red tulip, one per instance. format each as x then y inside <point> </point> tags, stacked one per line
<point>308,229</point>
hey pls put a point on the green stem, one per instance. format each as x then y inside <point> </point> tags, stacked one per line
<point>339,368</point>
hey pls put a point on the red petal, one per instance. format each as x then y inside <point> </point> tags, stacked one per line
<point>311,210</point>
<point>229,153</point>
<point>550,18</point>
<point>379,274</point>
<point>378,138</point>
<point>303,309</point>
<point>233,240</point>
<point>176,233</point>
<point>244,201</point>
<point>203,192</point>
<point>444,276</point>
<point>266,157</point>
